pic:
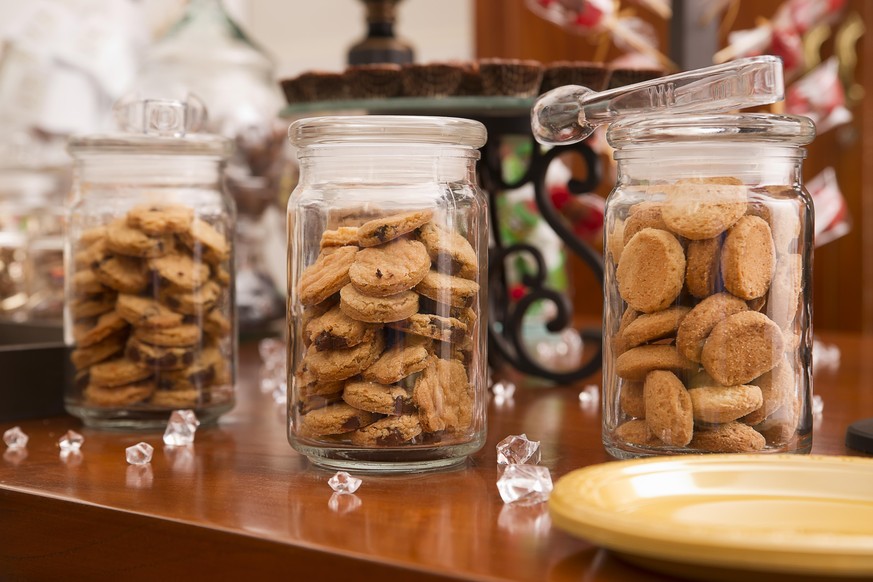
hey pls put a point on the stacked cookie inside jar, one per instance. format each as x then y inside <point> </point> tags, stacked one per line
<point>385,343</point>
<point>150,312</point>
<point>705,348</point>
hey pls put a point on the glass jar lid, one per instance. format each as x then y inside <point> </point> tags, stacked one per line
<point>387,129</point>
<point>155,127</point>
<point>788,130</point>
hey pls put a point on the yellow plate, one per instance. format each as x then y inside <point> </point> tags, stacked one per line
<point>786,514</point>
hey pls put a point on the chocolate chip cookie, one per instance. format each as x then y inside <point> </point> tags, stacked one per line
<point>390,268</point>
<point>326,276</point>
<point>443,397</point>
<point>382,230</point>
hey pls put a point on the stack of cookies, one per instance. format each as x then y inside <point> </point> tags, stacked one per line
<point>710,284</point>
<point>150,310</point>
<point>387,335</point>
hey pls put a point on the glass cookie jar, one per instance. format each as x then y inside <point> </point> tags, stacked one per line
<point>707,308</point>
<point>149,311</point>
<point>386,282</point>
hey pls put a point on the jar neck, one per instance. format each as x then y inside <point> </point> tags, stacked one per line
<point>751,163</point>
<point>149,171</point>
<point>387,164</point>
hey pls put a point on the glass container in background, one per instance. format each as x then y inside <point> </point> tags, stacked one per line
<point>150,312</point>
<point>207,54</point>
<point>388,238</point>
<point>707,309</point>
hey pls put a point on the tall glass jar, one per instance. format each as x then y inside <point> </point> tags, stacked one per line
<point>707,308</point>
<point>150,312</point>
<point>386,279</point>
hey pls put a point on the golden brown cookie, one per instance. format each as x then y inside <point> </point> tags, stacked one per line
<point>177,398</point>
<point>668,408</point>
<point>159,357</point>
<point>615,244</point>
<point>382,230</point>
<point>181,270</point>
<point>449,290</point>
<point>389,269</point>
<point>652,270</point>
<point>649,327</point>
<point>407,357</point>
<point>388,432</point>
<point>92,306</point>
<point>777,389</point>
<point>698,323</point>
<point>742,347</point>
<point>451,252</point>
<point>342,236</point>
<point>783,206</point>
<point>643,215</point>
<point>377,309</point>
<point>107,324</point>
<point>782,425</point>
<point>636,363</point>
<point>333,365</point>
<point>91,235</point>
<point>160,219</point>
<point>98,352</point>
<point>204,240</point>
<point>86,283</point>
<point>335,330</point>
<point>635,432</point>
<point>379,398</point>
<point>783,301</point>
<point>326,276</point>
<point>618,344</point>
<point>145,312</point>
<point>336,419</point>
<point>702,210</point>
<point>124,274</point>
<point>718,404</point>
<point>190,301</point>
<point>733,437</point>
<point>216,324</point>
<point>631,399</point>
<point>179,336</point>
<point>118,372</point>
<point>196,376</point>
<point>703,267</point>
<point>118,396</point>
<point>312,394</point>
<point>220,274</point>
<point>132,242</point>
<point>446,329</point>
<point>443,396</point>
<point>747,258</point>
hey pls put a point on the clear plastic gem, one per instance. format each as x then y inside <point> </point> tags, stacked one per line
<point>181,428</point>
<point>517,449</point>
<point>525,484</point>
<point>817,405</point>
<point>590,396</point>
<point>342,482</point>
<point>139,454</point>
<point>71,441</point>
<point>15,438</point>
<point>343,503</point>
<point>271,349</point>
<point>503,392</point>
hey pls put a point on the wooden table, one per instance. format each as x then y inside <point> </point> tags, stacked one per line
<point>242,505</point>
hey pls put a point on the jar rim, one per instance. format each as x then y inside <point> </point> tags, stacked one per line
<point>398,129</point>
<point>786,130</point>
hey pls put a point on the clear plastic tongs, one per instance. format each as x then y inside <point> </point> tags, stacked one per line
<point>569,114</point>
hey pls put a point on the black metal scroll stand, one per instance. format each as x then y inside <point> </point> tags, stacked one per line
<point>505,333</point>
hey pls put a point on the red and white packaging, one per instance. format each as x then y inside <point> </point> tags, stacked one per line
<point>819,95</point>
<point>832,219</point>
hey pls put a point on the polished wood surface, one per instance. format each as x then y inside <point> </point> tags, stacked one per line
<point>241,502</point>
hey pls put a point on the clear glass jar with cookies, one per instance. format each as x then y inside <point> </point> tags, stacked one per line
<point>149,311</point>
<point>387,283</point>
<point>707,307</point>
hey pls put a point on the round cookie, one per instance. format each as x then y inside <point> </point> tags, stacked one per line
<point>635,432</point>
<point>742,347</point>
<point>164,358</point>
<point>668,408</point>
<point>335,419</point>
<point>221,275</point>
<point>699,211</point>
<point>342,236</point>
<point>631,400</point>
<point>203,238</point>
<point>643,215</point>
<point>107,324</point>
<point>312,394</point>
<point>649,327</point>
<point>182,335</point>
<point>377,309</point>
<point>93,253</point>
<point>635,364</point>
<point>652,270</point>
<point>124,274</point>
<point>145,312</point>
<point>450,251</point>
<point>98,352</point>
<point>326,276</point>
<point>382,230</point>
<point>446,329</point>
<point>718,404</point>
<point>378,398</point>
<point>176,398</point>
<point>91,235</point>
<point>132,242</point>
<point>399,362</point>
<point>334,330</point>
<point>698,323</point>
<point>442,394</point>
<point>86,283</point>
<point>92,306</point>
<point>216,324</point>
<point>333,365</point>
<point>616,240</point>
<point>784,299</point>
<point>449,290</point>
<point>199,374</point>
<point>747,258</point>
<point>181,270</point>
<point>388,432</point>
<point>618,344</point>
<point>157,219</point>
<point>703,266</point>
<point>118,396</point>
<point>190,301</point>
<point>118,373</point>
<point>781,427</point>
<point>733,437</point>
<point>390,268</point>
<point>777,389</point>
